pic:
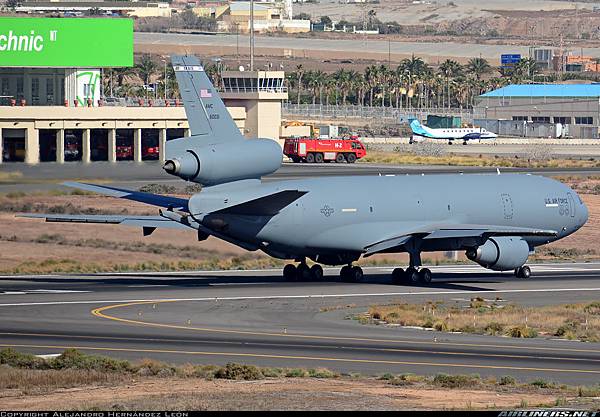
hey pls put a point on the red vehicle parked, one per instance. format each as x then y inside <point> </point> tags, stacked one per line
<point>323,150</point>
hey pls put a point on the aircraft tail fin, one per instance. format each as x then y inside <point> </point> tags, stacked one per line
<point>417,128</point>
<point>205,111</point>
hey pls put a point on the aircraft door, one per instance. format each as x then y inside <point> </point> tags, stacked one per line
<point>571,204</point>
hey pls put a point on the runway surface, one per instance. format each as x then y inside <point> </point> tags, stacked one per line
<point>255,317</point>
<point>134,175</point>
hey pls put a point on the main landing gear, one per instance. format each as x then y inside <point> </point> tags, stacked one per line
<point>351,273</point>
<point>523,272</point>
<point>302,272</point>
<point>412,276</point>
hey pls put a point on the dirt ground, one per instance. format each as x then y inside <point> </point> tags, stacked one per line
<point>271,394</point>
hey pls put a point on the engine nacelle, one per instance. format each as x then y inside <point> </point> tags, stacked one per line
<point>225,162</point>
<point>500,253</point>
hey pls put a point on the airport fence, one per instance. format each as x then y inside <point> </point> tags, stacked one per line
<point>398,115</point>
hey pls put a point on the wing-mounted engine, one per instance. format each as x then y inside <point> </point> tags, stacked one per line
<point>500,253</point>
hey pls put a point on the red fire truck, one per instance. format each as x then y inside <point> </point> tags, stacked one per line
<point>323,150</point>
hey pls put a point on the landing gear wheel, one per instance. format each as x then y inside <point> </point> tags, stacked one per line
<point>319,158</point>
<point>523,272</point>
<point>310,158</point>
<point>425,276</point>
<point>317,272</point>
<point>397,276</point>
<point>465,142</point>
<point>345,273</point>
<point>303,272</point>
<point>449,142</point>
<point>351,158</point>
<point>340,158</point>
<point>289,272</point>
<point>356,273</point>
<point>412,275</point>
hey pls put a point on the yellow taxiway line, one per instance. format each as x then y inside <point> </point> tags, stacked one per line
<point>99,312</point>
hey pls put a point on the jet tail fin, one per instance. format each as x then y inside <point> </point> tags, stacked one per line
<point>205,111</point>
<point>417,128</point>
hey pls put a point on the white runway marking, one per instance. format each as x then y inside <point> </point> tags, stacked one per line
<point>22,292</point>
<point>283,297</point>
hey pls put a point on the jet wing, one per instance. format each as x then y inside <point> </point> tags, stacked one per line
<point>146,198</point>
<point>453,231</point>
<point>148,223</point>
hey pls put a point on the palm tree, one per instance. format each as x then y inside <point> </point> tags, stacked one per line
<point>479,67</point>
<point>299,74</point>
<point>450,69</point>
<point>146,69</point>
<point>371,80</point>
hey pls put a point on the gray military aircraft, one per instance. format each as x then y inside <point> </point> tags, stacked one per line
<point>497,219</point>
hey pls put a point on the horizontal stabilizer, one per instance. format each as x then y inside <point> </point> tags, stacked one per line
<point>137,221</point>
<point>268,205</point>
<point>146,198</point>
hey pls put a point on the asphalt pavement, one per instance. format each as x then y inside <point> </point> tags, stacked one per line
<point>134,175</point>
<point>256,317</point>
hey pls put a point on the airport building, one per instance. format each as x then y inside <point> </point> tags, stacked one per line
<point>574,106</point>
<point>52,108</point>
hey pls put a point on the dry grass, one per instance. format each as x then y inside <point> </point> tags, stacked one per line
<point>397,158</point>
<point>28,381</point>
<point>103,383</point>
<point>569,321</point>
<point>68,266</point>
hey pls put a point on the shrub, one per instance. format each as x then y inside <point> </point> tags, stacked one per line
<point>494,328</point>
<point>541,383</point>
<point>239,372</point>
<point>455,381</point>
<point>387,376</point>
<point>440,326</point>
<point>296,373</point>
<point>522,332</point>
<point>322,373</point>
<point>507,380</point>
<point>73,359</point>
<point>16,359</point>
<point>272,372</point>
<point>593,308</point>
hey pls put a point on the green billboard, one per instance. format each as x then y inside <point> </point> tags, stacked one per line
<point>66,42</point>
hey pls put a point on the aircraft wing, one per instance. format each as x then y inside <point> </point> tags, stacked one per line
<point>147,223</point>
<point>453,231</point>
<point>146,198</point>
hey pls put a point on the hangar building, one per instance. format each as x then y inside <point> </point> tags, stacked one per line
<point>574,105</point>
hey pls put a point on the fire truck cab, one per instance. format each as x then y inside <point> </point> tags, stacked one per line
<point>323,150</point>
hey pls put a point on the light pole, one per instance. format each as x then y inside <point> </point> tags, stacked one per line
<point>251,35</point>
<point>165,63</point>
